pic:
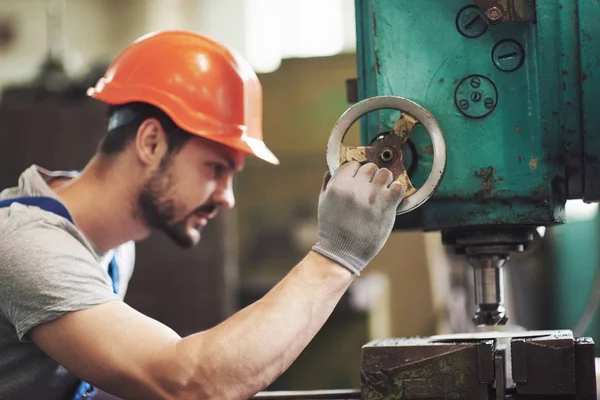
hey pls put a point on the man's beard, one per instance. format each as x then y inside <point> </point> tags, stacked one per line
<point>162,212</point>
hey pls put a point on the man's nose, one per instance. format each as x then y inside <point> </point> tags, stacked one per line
<point>224,196</point>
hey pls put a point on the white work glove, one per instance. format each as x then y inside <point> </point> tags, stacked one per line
<point>357,210</point>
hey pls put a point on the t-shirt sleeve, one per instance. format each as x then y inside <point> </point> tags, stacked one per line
<point>46,272</point>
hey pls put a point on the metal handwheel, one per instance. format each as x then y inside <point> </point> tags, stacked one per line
<point>387,153</point>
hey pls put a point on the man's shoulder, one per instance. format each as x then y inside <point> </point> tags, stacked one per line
<point>18,216</point>
<point>28,227</point>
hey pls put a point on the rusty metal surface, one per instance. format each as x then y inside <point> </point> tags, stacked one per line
<point>475,366</point>
<point>422,369</point>
<point>586,376</point>
<point>404,126</point>
<point>499,11</point>
<point>544,364</point>
<point>313,394</point>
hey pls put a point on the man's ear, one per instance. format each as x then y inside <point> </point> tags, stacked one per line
<point>150,142</point>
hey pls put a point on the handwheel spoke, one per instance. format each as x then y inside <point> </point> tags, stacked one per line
<point>409,189</point>
<point>361,154</point>
<point>405,125</point>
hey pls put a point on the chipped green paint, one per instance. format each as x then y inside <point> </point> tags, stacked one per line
<point>533,162</point>
<point>487,180</point>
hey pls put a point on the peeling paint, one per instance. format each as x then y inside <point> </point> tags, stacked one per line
<point>428,150</point>
<point>533,163</point>
<point>520,159</point>
<point>517,129</point>
<point>487,177</point>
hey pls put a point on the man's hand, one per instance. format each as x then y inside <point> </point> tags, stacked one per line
<point>357,209</point>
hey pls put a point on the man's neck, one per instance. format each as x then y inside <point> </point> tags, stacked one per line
<point>102,206</point>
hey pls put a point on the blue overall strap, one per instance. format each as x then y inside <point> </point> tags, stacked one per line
<point>113,272</point>
<point>84,391</point>
<point>45,203</point>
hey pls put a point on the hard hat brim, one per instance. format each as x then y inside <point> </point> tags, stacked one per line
<point>233,136</point>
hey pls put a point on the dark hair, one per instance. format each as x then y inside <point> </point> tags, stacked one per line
<point>125,130</point>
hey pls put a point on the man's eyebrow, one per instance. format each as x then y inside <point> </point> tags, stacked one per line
<point>230,161</point>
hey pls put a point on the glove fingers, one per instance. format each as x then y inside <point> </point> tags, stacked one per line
<point>347,170</point>
<point>383,177</point>
<point>368,171</point>
<point>396,191</point>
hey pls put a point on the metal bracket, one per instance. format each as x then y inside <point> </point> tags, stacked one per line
<point>502,11</point>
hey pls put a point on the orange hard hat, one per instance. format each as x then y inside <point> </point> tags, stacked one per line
<point>205,87</point>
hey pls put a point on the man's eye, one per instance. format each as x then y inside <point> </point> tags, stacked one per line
<point>218,170</point>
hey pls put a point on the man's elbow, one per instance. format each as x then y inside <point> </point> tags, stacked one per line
<point>207,377</point>
<point>201,386</point>
<point>180,379</point>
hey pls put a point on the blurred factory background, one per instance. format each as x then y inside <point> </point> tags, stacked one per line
<point>304,52</point>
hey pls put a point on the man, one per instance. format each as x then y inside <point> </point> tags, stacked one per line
<point>184,110</point>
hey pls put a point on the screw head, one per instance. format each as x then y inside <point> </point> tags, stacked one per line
<point>463,104</point>
<point>489,103</point>
<point>494,14</point>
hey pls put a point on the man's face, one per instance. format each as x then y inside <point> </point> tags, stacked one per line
<point>189,188</point>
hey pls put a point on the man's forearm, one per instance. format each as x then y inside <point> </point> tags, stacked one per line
<point>245,353</point>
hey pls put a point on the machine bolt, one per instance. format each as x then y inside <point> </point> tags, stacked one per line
<point>476,96</point>
<point>489,103</point>
<point>493,14</point>
<point>464,104</point>
<point>386,155</point>
<point>475,83</point>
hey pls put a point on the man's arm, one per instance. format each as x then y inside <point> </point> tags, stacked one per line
<point>125,353</point>
<point>135,357</point>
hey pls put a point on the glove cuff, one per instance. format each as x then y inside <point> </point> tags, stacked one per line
<point>348,261</point>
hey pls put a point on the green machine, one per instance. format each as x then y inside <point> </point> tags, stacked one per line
<point>485,111</point>
<point>489,108</point>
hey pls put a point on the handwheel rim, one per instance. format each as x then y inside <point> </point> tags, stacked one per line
<point>352,114</point>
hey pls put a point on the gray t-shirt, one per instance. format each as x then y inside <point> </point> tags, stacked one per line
<point>47,268</point>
